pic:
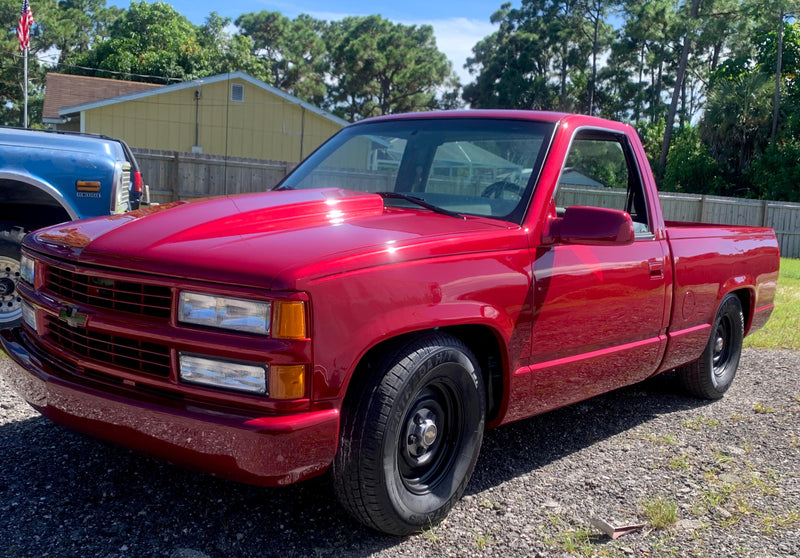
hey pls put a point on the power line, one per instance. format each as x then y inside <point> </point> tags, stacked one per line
<point>114,72</point>
<point>55,65</point>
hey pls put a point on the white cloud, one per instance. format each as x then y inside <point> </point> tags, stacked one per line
<point>456,36</point>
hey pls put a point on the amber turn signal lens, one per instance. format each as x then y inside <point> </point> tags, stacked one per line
<point>87,186</point>
<point>290,320</point>
<point>287,381</point>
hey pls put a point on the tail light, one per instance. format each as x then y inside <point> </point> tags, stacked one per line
<point>137,182</point>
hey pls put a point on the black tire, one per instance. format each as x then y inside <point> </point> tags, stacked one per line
<point>411,433</point>
<point>10,305</point>
<point>712,374</point>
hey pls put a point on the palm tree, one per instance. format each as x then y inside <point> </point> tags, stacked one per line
<point>737,119</point>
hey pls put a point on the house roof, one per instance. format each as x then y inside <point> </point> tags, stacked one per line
<point>64,90</point>
<point>132,96</point>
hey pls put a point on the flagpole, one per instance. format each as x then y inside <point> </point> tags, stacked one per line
<point>25,94</point>
<point>24,38</point>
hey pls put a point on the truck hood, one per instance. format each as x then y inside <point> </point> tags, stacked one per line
<point>270,240</point>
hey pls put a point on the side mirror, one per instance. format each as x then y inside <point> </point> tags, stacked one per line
<point>596,226</point>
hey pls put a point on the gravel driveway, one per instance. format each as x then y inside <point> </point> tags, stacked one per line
<point>732,469</point>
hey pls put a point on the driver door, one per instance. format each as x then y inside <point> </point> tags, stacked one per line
<point>598,310</point>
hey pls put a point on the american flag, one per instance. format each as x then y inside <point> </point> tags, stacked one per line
<point>24,26</point>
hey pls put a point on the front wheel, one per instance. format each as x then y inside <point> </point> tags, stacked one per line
<point>10,303</point>
<point>411,439</point>
<point>712,374</point>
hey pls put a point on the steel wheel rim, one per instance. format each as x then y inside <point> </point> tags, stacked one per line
<point>10,302</point>
<point>436,413</point>
<point>723,340</point>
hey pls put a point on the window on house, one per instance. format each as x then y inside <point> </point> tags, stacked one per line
<point>237,92</point>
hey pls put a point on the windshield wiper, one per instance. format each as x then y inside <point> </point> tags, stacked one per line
<point>420,202</point>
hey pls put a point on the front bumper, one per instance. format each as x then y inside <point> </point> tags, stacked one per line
<point>261,450</point>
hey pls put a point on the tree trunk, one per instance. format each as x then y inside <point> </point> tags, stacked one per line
<point>593,83</point>
<point>777,104</point>
<point>673,106</point>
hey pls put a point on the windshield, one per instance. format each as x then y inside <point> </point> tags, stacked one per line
<point>472,166</point>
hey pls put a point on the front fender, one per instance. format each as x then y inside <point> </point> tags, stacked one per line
<point>354,312</point>
<point>45,187</point>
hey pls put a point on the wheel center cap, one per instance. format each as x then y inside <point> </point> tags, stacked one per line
<point>6,286</point>
<point>719,344</point>
<point>428,433</point>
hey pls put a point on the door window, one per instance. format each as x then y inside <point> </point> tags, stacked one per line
<point>600,171</point>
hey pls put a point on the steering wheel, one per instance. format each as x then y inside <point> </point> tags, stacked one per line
<point>497,189</point>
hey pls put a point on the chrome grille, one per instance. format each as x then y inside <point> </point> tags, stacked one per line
<point>112,294</point>
<point>125,194</point>
<point>133,355</point>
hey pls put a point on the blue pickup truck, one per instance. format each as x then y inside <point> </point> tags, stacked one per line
<point>52,177</point>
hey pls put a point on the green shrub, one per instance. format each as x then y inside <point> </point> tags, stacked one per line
<point>776,173</point>
<point>691,168</point>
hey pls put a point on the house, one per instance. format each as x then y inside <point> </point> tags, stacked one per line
<point>63,90</point>
<point>233,115</point>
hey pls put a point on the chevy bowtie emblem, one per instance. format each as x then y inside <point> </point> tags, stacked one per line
<point>74,318</point>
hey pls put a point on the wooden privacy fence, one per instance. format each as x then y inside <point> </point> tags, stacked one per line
<point>173,175</point>
<point>784,217</point>
<point>179,176</point>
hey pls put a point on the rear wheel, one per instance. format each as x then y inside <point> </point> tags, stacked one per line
<point>411,435</point>
<point>10,304</point>
<point>712,374</point>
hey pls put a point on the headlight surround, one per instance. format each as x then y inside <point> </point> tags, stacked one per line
<point>224,312</point>
<point>27,269</point>
<point>245,377</point>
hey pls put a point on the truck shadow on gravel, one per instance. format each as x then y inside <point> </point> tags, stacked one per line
<point>64,494</point>
<point>524,446</point>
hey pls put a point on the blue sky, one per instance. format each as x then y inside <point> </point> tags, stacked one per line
<point>457,26</point>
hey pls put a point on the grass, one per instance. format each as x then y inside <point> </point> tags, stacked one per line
<point>431,533</point>
<point>783,328</point>
<point>716,495</point>
<point>680,463</point>
<point>773,522</point>
<point>578,541</point>
<point>763,409</point>
<point>658,439</point>
<point>660,511</point>
<point>699,422</point>
<point>482,540</point>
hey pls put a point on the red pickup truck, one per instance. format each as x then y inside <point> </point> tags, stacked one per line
<point>417,278</point>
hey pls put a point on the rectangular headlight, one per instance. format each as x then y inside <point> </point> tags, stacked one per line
<point>224,374</point>
<point>224,312</point>
<point>27,269</point>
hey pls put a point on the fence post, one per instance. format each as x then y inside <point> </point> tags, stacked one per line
<point>703,209</point>
<point>176,184</point>
<point>764,212</point>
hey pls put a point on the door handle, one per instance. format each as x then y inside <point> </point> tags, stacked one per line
<point>656,268</point>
